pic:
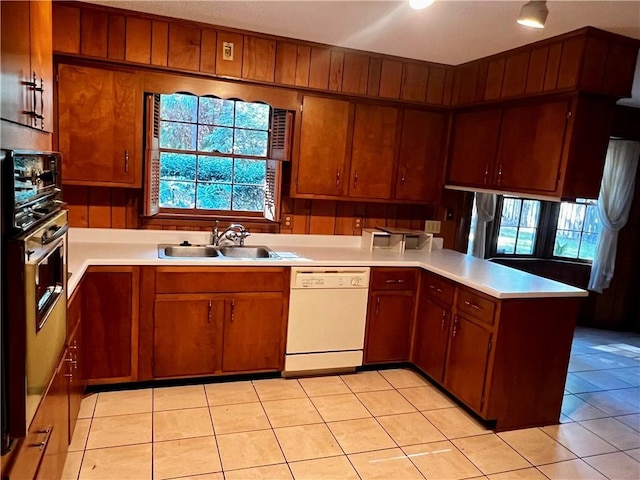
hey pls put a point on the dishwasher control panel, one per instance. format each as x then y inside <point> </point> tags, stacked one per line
<point>313,278</point>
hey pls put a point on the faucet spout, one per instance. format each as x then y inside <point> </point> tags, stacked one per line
<point>235,232</point>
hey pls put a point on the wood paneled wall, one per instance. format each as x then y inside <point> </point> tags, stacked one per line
<point>96,32</point>
<point>102,207</point>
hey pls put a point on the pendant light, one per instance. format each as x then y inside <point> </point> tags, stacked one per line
<point>533,14</point>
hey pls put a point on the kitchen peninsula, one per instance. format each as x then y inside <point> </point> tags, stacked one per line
<point>496,338</point>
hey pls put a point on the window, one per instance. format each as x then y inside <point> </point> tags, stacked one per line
<point>209,153</point>
<point>518,226</point>
<point>577,230</point>
<point>535,228</point>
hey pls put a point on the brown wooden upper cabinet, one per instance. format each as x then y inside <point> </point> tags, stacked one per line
<point>27,64</point>
<point>363,151</point>
<point>99,126</point>
<point>373,152</point>
<point>322,162</point>
<point>552,147</point>
<point>419,156</point>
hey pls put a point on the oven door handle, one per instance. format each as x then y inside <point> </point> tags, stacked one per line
<point>59,231</point>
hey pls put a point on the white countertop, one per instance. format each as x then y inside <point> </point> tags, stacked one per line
<point>140,247</point>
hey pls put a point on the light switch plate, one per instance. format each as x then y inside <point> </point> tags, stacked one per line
<point>432,226</point>
<point>227,51</point>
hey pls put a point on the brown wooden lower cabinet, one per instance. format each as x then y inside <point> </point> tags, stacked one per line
<point>253,332</point>
<point>466,365</point>
<point>76,379</point>
<point>431,338</point>
<point>110,311</point>
<point>390,315</point>
<point>212,320</point>
<point>506,359</point>
<point>42,453</point>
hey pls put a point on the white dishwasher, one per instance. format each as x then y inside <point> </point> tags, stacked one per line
<point>327,317</point>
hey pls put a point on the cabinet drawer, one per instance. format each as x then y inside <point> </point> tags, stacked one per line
<point>437,288</point>
<point>476,306</point>
<point>393,279</point>
<point>212,279</point>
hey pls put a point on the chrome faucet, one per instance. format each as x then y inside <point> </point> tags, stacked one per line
<point>234,232</point>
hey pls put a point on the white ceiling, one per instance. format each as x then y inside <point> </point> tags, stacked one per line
<point>449,31</point>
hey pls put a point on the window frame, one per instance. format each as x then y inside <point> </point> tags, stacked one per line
<point>279,150</point>
<point>545,238</point>
<point>215,153</point>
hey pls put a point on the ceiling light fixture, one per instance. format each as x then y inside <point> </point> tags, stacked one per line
<point>533,14</point>
<point>420,4</point>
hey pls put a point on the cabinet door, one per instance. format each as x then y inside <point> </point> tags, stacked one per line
<point>531,143</point>
<point>253,332</point>
<point>43,452</point>
<point>187,335</point>
<point>99,120</point>
<point>75,376</point>
<point>16,98</point>
<point>323,147</point>
<point>389,318</point>
<point>473,148</point>
<point>432,334</point>
<point>42,60</point>
<point>467,361</point>
<point>110,318</point>
<point>419,156</point>
<point>373,152</point>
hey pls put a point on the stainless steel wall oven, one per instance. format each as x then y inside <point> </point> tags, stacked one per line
<point>34,281</point>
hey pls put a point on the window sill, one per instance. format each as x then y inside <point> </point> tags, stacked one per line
<point>208,218</point>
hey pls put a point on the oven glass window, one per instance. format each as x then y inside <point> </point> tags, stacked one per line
<point>49,283</point>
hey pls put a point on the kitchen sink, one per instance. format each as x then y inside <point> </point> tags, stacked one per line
<point>196,251</point>
<point>247,252</point>
<point>209,251</point>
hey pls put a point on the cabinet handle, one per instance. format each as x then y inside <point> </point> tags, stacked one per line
<point>500,175</point>
<point>209,313</point>
<point>444,316</point>
<point>41,89</point>
<point>337,177</point>
<point>433,287</point>
<point>402,178</point>
<point>126,161</point>
<point>472,305</point>
<point>377,306</point>
<point>355,180</point>
<point>395,281</point>
<point>455,327</point>
<point>33,85</point>
<point>45,440</point>
<point>233,309</point>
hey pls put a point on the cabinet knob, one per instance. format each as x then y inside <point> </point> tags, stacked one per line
<point>402,178</point>
<point>233,309</point>
<point>455,327</point>
<point>126,161</point>
<point>377,306</point>
<point>337,177</point>
<point>355,180</point>
<point>209,313</point>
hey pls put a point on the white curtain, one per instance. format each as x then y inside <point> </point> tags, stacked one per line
<point>614,202</point>
<point>486,209</point>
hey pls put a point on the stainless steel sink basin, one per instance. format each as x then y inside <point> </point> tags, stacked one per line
<point>247,252</point>
<point>197,251</point>
<point>209,251</point>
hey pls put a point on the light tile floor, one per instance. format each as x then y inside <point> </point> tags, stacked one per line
<point>389,424</point>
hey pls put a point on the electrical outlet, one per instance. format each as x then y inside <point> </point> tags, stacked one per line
<point>287,221</point>
<point>357,223</point>
<point>432,226</point>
